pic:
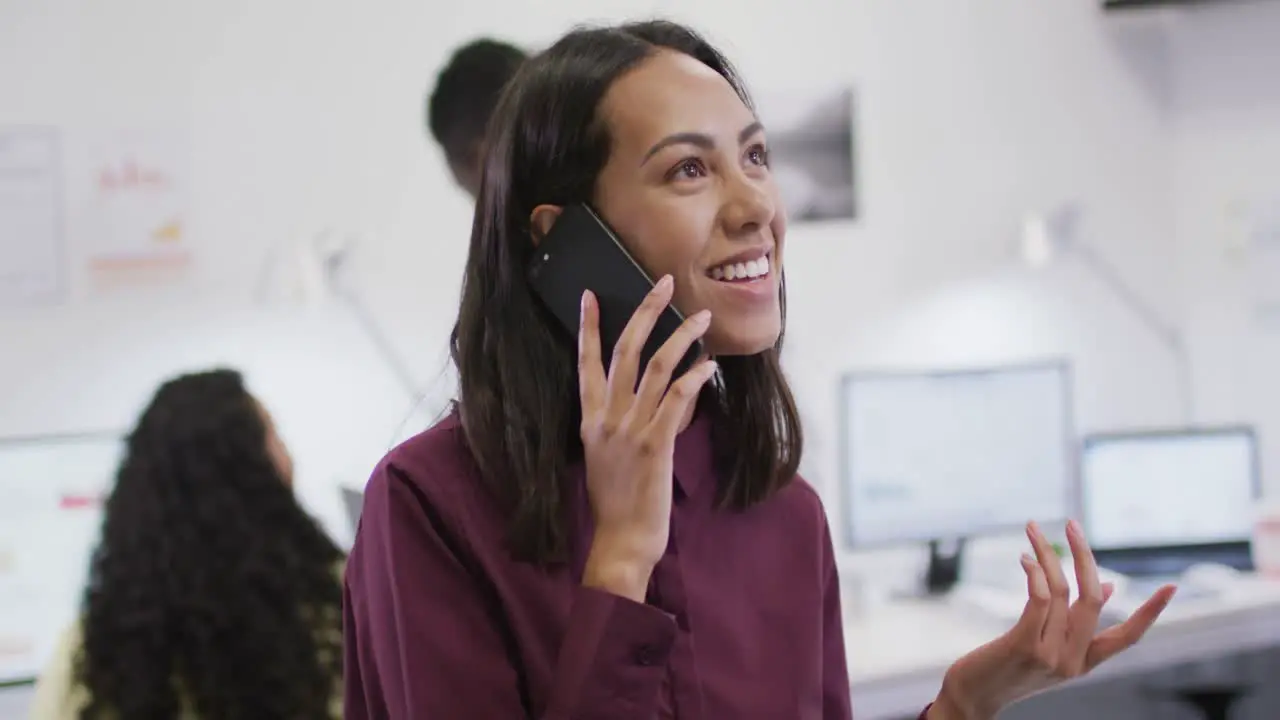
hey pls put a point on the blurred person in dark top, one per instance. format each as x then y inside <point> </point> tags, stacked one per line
<point>464,97</point>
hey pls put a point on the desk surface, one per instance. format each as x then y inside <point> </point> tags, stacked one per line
<point>899,651</point>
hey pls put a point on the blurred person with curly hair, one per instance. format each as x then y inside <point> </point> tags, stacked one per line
<point>211,593</point>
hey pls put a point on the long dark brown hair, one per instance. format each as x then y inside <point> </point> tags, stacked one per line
<point>517,370</point>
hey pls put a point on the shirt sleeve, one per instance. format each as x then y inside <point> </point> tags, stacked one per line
<point>56,695</point>
<point>837,693</point>
<point>836,700</point>
<point>421,642</point>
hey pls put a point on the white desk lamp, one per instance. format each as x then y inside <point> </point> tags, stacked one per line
<point>1050,235</point>
<point>312,271</point>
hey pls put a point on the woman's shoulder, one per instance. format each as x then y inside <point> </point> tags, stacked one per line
<point>436,467</point>
<point>796,510</point>
<point>438,454</point>
<point>801,499</point>
<point>57,694</point>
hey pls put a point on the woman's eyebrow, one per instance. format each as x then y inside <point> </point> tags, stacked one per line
<point>700,140</point>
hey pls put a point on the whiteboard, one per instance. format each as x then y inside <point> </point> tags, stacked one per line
<point>51,493</point>
<point>942,455</point>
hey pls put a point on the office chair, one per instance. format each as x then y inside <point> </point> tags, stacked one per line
<point>1213,701</point>
<point>1214,686</point>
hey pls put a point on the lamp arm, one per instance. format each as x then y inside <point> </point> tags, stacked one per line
<point>1170,335</point>
<point>380,343</point>
<point>333,253</point>
<point>333,261</point>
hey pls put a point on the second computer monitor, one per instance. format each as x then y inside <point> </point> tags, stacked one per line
<point>353,502</point>
<point>1174,497</point>
<point>942,455</point>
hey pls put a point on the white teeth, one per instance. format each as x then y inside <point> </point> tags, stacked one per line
<point>741,271</point>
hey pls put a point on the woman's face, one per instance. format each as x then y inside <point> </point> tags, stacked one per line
<point>687,187</point>
<point>276,450</point>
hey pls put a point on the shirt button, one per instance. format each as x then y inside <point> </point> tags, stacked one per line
<point>646,655</point>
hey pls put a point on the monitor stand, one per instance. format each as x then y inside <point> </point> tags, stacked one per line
<point>943,571</point>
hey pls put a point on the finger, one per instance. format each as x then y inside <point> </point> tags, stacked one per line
<point>1108,589</point>
<point>1090,586</point>
<point>1114,640</point>
<point>657,376</point>
<point>1031,625</point>
<point>679,398</point>
<point>623,368</point>
<point>1055,624</point>
<point>591,378</point>
<point>1084,613</point>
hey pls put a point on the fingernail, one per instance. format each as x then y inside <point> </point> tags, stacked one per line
<point>1026,559</point>
<point>1073,527</point>
<point>702,317</point>
<point>583,308</point>
<point>664,283</point>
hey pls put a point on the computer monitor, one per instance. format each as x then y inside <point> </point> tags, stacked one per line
<point>954,454</point>
<point>353,501</point>
<point>52,490</point>
<point>1157,502</point>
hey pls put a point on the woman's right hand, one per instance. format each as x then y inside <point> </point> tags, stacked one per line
<point>628,437</point>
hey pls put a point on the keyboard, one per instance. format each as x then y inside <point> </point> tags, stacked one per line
<point>1138,590</point>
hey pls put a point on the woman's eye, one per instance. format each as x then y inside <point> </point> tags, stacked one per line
<point>689,169</point>
<point>758,155</point>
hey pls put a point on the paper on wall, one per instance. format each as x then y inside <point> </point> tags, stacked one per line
<point>1264,265</point>
<point>137,215</point>
<point>31,240</point>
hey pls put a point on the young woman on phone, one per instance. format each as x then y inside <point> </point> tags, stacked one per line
<point>573,543</point>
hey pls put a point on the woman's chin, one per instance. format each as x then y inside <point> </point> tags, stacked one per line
<point>737,344</point>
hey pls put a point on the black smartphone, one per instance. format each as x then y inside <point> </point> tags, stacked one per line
<point>581,252</point>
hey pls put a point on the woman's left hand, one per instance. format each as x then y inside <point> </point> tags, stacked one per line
<point>1054,640</point>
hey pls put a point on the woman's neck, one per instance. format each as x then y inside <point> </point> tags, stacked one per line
<point>692,410</point>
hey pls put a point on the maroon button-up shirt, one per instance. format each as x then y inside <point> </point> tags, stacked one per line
<point>742,619</point>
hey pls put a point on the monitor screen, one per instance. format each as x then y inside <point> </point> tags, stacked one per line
<point>51,497</point>
<point>953,454</point>
<point>1156,490</point>
<point>353,502</point>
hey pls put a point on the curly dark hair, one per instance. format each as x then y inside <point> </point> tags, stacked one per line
<point>211,589</point>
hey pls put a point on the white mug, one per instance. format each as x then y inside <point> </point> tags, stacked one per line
<point>1266,540</point>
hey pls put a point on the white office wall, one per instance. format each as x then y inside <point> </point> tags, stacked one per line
<point>1226,151</point>
<point>306,115</point>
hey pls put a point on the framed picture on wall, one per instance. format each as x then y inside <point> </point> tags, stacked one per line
<point>811,151</point>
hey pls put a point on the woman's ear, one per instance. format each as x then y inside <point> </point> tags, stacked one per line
<point>541,220</point>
